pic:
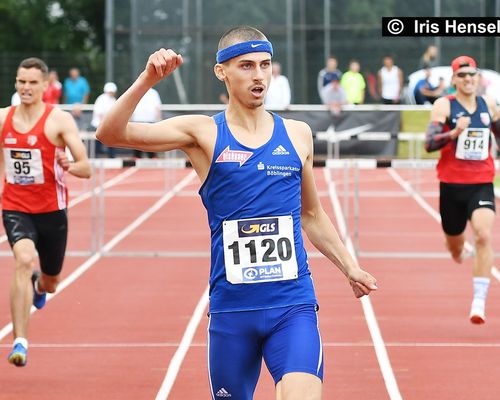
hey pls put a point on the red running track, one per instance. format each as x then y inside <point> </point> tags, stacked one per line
<point>112,333</point>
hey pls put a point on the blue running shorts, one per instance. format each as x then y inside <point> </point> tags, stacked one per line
<point>287,338</point>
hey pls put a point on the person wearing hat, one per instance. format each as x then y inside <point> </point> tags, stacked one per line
<point>334,95</point>
<point>461,127</point>
<point>102,105</point>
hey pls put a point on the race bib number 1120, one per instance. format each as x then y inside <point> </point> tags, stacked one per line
<point>259,250</point>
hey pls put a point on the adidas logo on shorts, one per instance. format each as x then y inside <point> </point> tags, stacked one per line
<point>223,393</point>
<point>280,151</point>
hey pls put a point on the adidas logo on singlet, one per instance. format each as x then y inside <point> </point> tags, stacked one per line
<point>280,151</point>
<point>223,393</point>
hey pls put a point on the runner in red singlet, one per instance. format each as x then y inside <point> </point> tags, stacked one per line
<point>33,140</point>
<point>461,127</point>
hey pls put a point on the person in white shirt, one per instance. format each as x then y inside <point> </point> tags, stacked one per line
<point>147,110</point>
<point>278,94</point>
<point>390,82</point>
<point>102,105</point>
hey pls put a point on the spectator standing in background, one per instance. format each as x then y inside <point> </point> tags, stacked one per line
<point>325,76</point>
<point>76,91</point>
<point>54,90</point>
<point>101,107</point>
<point>371,85</point>
<point>390,82</point>
<point>354,84</point>
<point>334,95</point>
<point>147,110</point>
<point>430,58</point>
<point>278,94</point>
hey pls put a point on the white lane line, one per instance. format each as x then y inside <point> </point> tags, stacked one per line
<point>187,338</point>
<point>427,207</point>
<point>108,246</point>
<point>378,342</point>
<point>160,345</point>
<point>95,191</point>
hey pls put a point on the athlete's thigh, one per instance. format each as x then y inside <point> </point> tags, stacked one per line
<point>234,354</point>
<point>483,197</point>
<point>452,209</point>
<point>52,238</point>
<point>19,225</point>
<point>295,345</point>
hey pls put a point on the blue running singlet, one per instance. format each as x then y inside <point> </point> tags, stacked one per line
<point>253,201</point>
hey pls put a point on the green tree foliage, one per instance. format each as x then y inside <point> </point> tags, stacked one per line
<point>47,25</point>
<point>64,33</point>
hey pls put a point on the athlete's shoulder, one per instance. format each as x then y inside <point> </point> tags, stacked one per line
<point>59,115</point>
<point>4,111</point>
<point>3,115</point>
<point>441,109</point>
<point>443,102</point>
<point>492,105</point>
<point>296,126</point>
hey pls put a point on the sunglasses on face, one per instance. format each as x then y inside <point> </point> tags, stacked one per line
<point>464,74</point>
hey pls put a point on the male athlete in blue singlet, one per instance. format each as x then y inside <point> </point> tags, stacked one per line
<point>259,192</point>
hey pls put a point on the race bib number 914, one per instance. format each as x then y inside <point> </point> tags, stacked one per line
<point>473,144</point>
<point>259,250</point>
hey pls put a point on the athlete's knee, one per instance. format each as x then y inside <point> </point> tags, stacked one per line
<point>299,386</point>
<point>25,260</point>
<point>300,396</point>
<point>482,237</point>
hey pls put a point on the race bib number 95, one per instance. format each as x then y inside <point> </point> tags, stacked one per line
<point>259,250</point>
<point>23,166</point>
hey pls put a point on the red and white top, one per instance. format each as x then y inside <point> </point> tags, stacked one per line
<point>467,159</point>
<point>34,181</point>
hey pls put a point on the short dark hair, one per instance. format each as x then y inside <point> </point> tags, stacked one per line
<point>239,34</point>
<point>34,62</point>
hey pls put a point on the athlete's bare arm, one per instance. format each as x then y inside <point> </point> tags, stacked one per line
<point>495,117</point>
<point>3,114</point>
<point>316,223</point>
<point>492,108</point>
<point>174,133</point>
<point>435,138</point>
<point>2,169</point>
<point>63,131</point>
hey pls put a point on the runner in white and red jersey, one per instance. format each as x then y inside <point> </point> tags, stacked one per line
<point>33,139</point>
<point>461,127</point>
<point>32,169</point>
